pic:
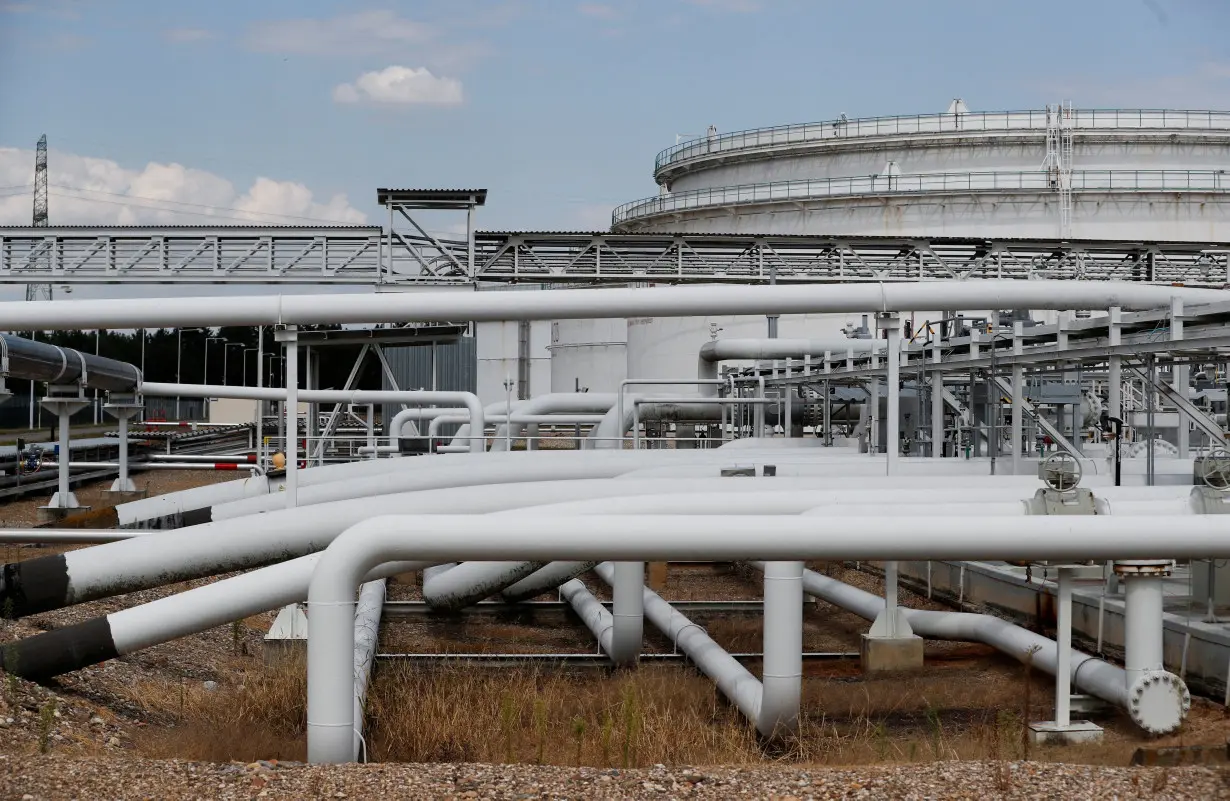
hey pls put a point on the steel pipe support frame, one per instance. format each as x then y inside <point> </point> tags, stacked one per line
<point>123,408</point>
<point>64,402</point>
<point>1063,729</point>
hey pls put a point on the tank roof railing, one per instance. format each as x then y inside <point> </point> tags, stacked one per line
<point>972,121</point>
<point>868,185</point>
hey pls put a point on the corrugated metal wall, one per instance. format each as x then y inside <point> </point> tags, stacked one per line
<point>456,370</point>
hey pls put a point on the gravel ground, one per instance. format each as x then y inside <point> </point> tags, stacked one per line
<point>40,778</point>
<point>23,513</point>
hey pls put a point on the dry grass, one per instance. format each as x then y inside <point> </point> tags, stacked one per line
<point>262,716</point>
<point>658,714</point>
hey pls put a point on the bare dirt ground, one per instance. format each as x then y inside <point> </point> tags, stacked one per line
<point>23,512</point>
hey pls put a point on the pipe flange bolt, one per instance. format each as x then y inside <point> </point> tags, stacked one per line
<point>1158,702</point>
<point>1143,567</point>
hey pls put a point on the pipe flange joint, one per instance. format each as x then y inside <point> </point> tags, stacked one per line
<point>1158,702</point>
<point>1143,567</point>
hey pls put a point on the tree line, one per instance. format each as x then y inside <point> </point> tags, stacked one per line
<point>231,356</point>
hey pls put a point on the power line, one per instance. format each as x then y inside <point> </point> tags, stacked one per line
<point>163,201</point>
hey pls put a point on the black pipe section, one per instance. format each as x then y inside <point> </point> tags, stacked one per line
<point>59,651</point>
<point>51,364</point>
<point>34,585</point>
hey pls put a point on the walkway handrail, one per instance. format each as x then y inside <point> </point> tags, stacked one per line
<point>1042,180</point>
<point>969,121</point>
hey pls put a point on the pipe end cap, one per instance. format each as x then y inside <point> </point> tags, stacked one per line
<point>1158,702</point>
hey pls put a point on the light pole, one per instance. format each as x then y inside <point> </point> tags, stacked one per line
<point>179,359</point>
<point>97,334</point>
<point>246,351</point>
<point>225,373</point>
<point>205,376</point>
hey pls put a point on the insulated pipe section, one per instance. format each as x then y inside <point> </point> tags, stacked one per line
<point>544,579</point>
<point>575,304</point>
<point>471,582</point>
<point>772,704</point>
<point>591,611</point>
<point>467,399</point>
<point>627,613</point>
<point>51,364</point>
<point>575,402</point>
<point>52,582</point>
<point>1089,673</point>
<point>127,631</point>
<point>361,548</point>
<point>366,635</point>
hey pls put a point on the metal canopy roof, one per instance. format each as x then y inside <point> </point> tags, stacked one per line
<point>431,198</point>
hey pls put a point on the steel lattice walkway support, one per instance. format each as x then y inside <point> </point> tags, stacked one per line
<point>368,255</point>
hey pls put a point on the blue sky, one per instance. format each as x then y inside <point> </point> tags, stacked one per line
<point>278,107</point>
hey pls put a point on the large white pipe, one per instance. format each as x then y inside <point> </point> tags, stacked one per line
<point>771,704</point>
<point>1143,616</point>
<point>681,538</point>
<point>471,582</point>
<point>127,631</point>
<point>405,475</point>
<point>593,614</point>
<point>546,578</point>
<point>1090,674</point>
<point>366,635</point>
<point>690,301</point>
<point>552,403</point>
<point>627,612</point>
<point>52,582</point>
<point>419,396</point>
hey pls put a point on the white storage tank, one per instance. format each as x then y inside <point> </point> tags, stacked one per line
<point>668,347</point>
<point>512,351</point>
<point>1128,174</point>
<point>591,354</point>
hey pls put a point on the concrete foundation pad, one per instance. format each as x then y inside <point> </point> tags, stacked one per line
<point>125,495</point>
<point>1076,732</point>
<point>883,653</point>
<point>51,514</point>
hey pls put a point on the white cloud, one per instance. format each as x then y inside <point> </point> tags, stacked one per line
<point>400,86</point>
<point>362,33</point>
<point>94,191</point>
<point>187,35</point>
<point>598,11</point>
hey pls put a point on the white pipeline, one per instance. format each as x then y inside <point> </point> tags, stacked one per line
<point>366,636</point>
<point>1090,674</point>
<point>360,396</point>
<point>574,304</point>
<point>680,538</point>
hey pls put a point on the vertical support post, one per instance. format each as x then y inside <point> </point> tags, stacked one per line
<point>873,391</point>
<point>1143,616</point>
<point>975,444</point>
<point>290,339</point>
<point>1114,376</point>
<point>1063,660</point>
<point>937,405</point>
<point>828,416</point>
<point>890,597</point>
<point>891,324</point>
<point>1179,373</point>
<point>628,613</point>
<point>64,457</point>
<point>1018,399</point>
<point>260,405</point>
